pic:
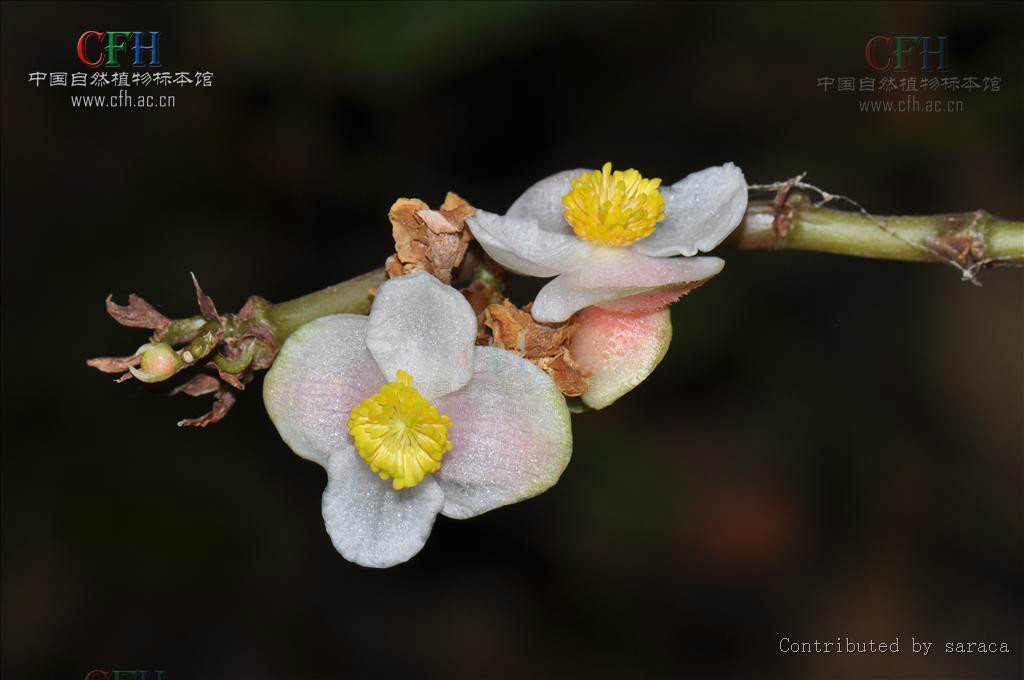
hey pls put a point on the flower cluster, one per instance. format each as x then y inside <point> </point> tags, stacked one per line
<point>411,417</point>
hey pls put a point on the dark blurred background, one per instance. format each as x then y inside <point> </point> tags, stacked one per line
<point>832,447</point>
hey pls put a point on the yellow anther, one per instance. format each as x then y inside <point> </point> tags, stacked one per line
<point>400,434</point>
<point>613,208</point>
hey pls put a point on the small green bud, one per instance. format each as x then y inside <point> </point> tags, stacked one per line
<point>158,362</point>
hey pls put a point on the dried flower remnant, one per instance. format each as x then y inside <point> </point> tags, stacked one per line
<point>432,241</point>
<point>545,345</point>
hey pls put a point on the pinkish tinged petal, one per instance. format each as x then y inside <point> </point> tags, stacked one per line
<point>619,350</point>
<point>321,373</point>
<point>511,435</point>
<point>610,274</point>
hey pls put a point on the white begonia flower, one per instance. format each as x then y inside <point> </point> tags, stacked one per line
<point>608,239</point>
<point>607,235</point>
<point>410,418</point>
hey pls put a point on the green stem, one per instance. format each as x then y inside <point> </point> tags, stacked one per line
<point>968,241</point>
<point>348,297</point>
<point>181,331</point>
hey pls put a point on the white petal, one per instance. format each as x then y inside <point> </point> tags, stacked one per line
<point>520,245</point>
<point>700,211</point>
<point>543,202</point>
<point>321,373</point>
<point>613,273</point>
<point>425,328</point>
<point>511,435</point>
<point>619,350</point>
<point>371,523</point>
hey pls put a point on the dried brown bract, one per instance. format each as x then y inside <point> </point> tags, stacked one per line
<point>546,345</point>
<point>432,241</point>
<point>222,403</point>
<point>199,385</point>
<point>206,306</point>
<point>114,364</point>
<point>963,246</point>
<point>567,374</point>
<point>137,313</point>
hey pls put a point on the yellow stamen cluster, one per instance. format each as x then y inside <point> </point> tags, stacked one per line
<point>400,434</point>
<point>613,208</point>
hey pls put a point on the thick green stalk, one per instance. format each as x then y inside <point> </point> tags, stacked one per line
<point>348,297</point>
<point>968,241</point>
